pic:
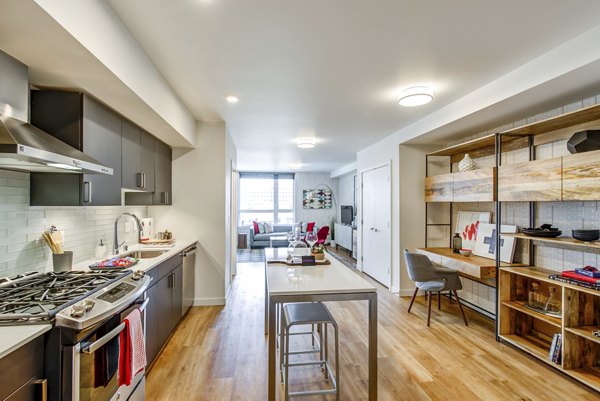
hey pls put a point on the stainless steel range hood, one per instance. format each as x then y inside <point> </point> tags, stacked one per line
<point>24,147</point>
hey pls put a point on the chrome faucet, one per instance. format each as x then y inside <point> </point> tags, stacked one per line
<point>139,225</point>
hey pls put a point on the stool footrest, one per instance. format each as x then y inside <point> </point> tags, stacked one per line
<point>313,392</point>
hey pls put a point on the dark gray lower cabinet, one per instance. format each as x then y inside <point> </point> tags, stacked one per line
<point>164,307</point>
<point>22,375</point>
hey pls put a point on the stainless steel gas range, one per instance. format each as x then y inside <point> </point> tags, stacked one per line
<point>87,310</point>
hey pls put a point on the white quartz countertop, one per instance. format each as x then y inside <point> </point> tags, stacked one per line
<point>13,337</point>
<point>143,264</point>
<point>334,278</point>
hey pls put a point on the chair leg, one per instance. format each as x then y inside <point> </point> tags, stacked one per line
<point>412,301</point>
<point>429,308</point>
<point>461,308</point>
<point>439,301</point>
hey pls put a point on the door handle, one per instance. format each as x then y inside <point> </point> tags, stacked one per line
<point>42,391</point>
<point>87,192</point>
<point>374,229</point>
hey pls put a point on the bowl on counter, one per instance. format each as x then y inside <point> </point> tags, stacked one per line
<point>586,235</point>
<point>465,252</point>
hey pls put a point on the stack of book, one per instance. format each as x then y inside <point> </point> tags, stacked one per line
<point>556,348</point>
<point>588,277</point>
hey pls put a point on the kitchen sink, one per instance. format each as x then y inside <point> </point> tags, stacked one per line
<point>144,254</point>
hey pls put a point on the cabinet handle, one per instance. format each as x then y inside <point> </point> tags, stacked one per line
<point>42,389</point>
<point>167,197</point>
<point>143,180</point>
<point>87,192</point>
<point>164,198</point>
<point>140,180</point>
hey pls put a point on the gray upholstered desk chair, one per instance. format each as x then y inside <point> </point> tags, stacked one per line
<point>431,279</point>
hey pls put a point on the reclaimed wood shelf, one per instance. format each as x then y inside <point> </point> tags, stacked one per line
<point>581,176</point>
<point>589,376</point>
<point>566,120</point>
<point>538,180</point>
<point>472,267</point>
<point>531,345</point>
<point>466,186</point>
<point>530,331</point>
<point>520,306</point>
<point>565,241</point>
<point>585,332</point>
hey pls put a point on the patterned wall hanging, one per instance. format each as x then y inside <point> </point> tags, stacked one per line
<point>316,199</point>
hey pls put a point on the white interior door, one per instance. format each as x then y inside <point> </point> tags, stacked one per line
<point>376,210</point>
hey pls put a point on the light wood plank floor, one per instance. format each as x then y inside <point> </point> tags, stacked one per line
<point>220,353</point>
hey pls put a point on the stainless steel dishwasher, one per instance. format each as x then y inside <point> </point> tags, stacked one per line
<point>189,274</point>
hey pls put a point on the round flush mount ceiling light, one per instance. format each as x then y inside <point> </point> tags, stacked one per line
<point>232,98</point>
<point>306,143</point>
<point>415,96</point>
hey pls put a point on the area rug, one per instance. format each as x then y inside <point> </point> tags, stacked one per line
<point>250,255</point>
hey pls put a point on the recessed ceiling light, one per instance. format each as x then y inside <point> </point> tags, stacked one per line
<point>295,166</point>
<point>306,143</point>
<point>415,96</point>
<point>232,98</point>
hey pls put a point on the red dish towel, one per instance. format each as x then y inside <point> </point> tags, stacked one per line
<point>132,358</point>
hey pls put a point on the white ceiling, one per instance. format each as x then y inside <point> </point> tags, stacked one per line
<point>332,69</point>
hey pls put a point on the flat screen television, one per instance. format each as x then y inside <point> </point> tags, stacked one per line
<point>347,215</point>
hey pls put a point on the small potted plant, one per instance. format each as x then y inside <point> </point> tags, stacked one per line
<point>318,251</point>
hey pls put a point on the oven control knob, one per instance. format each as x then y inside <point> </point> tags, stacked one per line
<point>77,310</point>
<point>137,275</point>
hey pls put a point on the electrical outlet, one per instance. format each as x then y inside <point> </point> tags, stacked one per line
<point>128,226</point>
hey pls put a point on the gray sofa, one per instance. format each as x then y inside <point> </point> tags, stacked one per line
<point>263,240</point>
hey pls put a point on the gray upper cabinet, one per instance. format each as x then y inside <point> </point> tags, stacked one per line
<point>162,174</point>
<point>89,126</point>
<point>137,154</point>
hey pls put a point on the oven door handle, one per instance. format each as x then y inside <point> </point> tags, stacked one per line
<point>88,348</point>
<point>144,304</point>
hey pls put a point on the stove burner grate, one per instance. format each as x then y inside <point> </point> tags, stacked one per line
<point>38,297</point>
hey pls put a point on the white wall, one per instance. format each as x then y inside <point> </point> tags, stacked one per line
<point>311,181</point>
<point>199,209</point>
<point>345,186</point>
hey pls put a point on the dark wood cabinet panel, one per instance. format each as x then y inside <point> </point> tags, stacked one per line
<point>152,343</point>
<point>147,145</point>
<point>163,312</point>
<point>21,369</point>
<point>102,141</point>
<point>162,177</point>
<point>130,154</point>
<point>89,126</point>
<point>137,154</point>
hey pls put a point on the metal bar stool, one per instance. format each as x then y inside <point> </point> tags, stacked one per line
<point>304,314</point>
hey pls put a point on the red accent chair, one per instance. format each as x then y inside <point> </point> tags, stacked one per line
<point>322,234</point>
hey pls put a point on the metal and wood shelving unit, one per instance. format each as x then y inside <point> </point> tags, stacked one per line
<point>568,178</point>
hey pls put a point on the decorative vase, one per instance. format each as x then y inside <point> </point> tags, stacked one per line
<point>466,164</point>
<point>319,256</point>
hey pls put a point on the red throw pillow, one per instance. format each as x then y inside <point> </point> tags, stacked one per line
<point>310,226</point>
<point>256,230</point>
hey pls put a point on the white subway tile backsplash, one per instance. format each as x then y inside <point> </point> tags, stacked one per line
<point>21,226</point>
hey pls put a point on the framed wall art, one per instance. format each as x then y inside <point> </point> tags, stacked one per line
<point>316,199</point>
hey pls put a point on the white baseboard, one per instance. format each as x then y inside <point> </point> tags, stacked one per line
<point>208,301</point>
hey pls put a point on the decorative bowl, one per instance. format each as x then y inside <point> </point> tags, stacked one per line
<point>465,252</point>
<point>586,235</point>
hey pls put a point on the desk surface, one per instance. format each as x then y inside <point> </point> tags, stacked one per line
<point>334,278</point>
